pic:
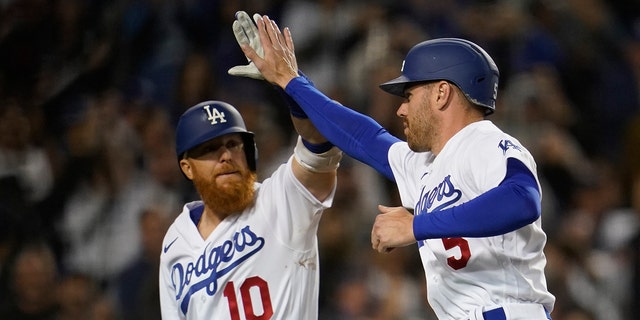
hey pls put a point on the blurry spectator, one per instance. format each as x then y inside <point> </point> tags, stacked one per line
<point>105,309</point>
<point>324,34</point>
<point>99,222</point>
<point>392,280</point>
<point>395,281</point>
<point>20,157</point>
<point>630,163</point>
<point>26,174</point>
<point>633,248</point>
<point>562,264</point>
<point>9,241</point>
<point>155,46</point>
<point>351,299</point>
<point>80,161</point>
<point>540,114</point>
<point>196,82</point>
<point>25,37</point>
<point>344,231</point>
<point>75,296</point>
<point>163,181</point>
<point>32,284</point>
<point>137,286</point>
<point>378,39</point>
<point>597,275</point>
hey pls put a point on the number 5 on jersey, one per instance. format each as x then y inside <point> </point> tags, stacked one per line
<point>465,252</point>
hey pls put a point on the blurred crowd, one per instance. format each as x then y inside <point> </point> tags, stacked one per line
<point>90,91</point>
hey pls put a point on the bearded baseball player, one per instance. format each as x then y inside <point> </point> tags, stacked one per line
<point>246,250</point>
<point>470,193</point>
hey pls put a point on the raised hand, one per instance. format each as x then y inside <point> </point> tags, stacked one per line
<point>278,64</point>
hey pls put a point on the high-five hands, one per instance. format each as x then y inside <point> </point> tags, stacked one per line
<point>246,33</point>
<point>392,228</point>
<point>277,63</point>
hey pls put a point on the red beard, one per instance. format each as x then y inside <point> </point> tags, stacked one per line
<point>229,198</point>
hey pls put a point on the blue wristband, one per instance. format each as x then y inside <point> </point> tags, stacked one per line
<point>317,148</point>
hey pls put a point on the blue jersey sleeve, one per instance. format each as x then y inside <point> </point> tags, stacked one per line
<point>513,204</point>
<point>356,134</point>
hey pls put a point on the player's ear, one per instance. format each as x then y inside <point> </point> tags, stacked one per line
<point>443,91</point>
<point>185,166</point>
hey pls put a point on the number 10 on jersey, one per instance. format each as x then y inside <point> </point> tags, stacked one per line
<point>260,290</point>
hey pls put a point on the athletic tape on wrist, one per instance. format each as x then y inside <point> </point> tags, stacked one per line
<point>317,162</point>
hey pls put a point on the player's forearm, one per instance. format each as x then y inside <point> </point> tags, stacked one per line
<point>511,205</point>
<point>356,134</point>
<point>305,128</point>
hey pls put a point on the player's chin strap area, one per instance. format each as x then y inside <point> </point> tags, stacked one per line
<point>511,311</point>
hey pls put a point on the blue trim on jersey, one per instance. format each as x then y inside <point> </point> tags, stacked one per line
<point>196,213</point>
<point>513,204</point>
<point>354,133</point>
<point>498,314</point>
<point>495,314</point>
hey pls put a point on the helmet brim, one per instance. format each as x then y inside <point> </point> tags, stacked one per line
<point>214,134</point>
<point>396,86</point>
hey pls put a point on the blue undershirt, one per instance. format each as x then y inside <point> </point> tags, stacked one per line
<point>196,214</point>
<point>514,203</point>
<point>354,133</point>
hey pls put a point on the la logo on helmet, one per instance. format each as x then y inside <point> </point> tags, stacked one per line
<point>214,115</point>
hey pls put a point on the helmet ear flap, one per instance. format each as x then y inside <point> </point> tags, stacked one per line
<point>251,151</point>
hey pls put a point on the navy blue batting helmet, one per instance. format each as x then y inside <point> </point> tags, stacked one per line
<point>211,119</point>
<point>458,61</point>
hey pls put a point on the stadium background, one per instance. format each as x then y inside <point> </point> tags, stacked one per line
<point>90,91</point>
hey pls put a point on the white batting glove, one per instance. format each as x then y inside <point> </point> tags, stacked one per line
<point>246,32</point>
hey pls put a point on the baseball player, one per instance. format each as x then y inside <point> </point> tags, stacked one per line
<point>246,250</point>
<point>470,193</point>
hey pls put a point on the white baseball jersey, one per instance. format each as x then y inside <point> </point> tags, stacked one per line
<point>259,264</point>
<point>464,274</point>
